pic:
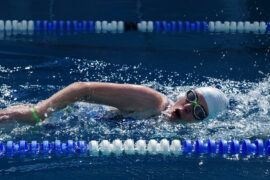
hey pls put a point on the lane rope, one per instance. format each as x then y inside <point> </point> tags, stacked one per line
<point>142,147</point>
<point>30,26</point>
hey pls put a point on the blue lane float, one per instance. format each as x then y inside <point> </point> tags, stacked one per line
<point>142,26</point>
<point>165,147</point>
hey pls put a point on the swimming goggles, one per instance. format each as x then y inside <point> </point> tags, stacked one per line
<point>198,111</point>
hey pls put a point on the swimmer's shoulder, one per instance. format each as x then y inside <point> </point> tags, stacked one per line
<point>159,102</point>
<point>164,102</point>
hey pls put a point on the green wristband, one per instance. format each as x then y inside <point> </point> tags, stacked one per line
<point>68,109</point>
<point>35,115</point>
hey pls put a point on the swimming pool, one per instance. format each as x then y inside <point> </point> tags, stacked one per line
<point>33,67</point>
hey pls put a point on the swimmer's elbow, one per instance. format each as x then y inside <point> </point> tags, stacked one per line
<point>79,88</point>
<point>79,85</point>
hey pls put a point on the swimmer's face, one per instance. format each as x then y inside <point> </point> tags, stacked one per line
<point>183,110</point>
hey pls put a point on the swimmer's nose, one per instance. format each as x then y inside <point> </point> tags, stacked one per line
<point>188,108</point>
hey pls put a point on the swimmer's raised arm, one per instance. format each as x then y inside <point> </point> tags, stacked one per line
<point>125,97</point>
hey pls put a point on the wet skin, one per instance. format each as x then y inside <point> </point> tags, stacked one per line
<point>125,97</point>
<point>183,110</point>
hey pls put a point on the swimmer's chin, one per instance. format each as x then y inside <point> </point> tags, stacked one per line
<point>172,118</point>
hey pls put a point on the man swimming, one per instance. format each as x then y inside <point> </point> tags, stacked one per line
<point>197,104</point>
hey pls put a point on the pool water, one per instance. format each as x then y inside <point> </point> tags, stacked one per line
<point>35,78</point>
<point>32,68</point>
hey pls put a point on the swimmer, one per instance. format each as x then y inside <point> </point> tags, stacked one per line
<point>196,105</point>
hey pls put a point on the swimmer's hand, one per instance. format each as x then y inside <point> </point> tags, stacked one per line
<point>19,112</point>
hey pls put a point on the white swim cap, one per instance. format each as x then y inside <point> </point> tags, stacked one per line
<point>215,99</point>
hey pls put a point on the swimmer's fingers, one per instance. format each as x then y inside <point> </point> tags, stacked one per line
<point>18,112</point>
<point>2,113</point>
<point>4,117</point>
<point>9,114</point>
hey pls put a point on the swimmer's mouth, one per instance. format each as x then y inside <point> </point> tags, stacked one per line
<point>176,114</point>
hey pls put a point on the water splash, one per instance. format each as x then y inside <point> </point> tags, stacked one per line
<point>247,117</point>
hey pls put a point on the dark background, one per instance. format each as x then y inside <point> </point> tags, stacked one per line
<point>135,10</point>
<point>233,56</point>
<point>241,57</point>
